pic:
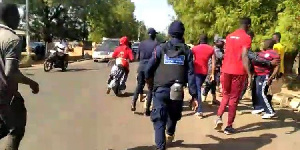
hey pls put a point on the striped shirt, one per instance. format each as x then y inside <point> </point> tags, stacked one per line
<point>268,55</point>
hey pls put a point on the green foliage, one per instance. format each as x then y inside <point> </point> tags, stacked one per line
<point>222,17</point>
<point>113,19</point>
<point>161,37</point>
<point>79,20</point>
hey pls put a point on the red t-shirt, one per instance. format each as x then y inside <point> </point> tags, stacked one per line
<point>265,55</point>
<point>235,42</point>
<point>202,53</point>
<point>125,53</point>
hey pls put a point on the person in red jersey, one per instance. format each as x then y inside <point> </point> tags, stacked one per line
<point>234,73</point>
<point>202,53</point>
<point>123,54</point>
<point>263,79</point>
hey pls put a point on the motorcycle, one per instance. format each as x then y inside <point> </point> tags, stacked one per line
<point>56,59</point>
<point>116,77</point>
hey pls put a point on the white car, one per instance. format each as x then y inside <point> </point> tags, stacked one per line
<point>104,51</point>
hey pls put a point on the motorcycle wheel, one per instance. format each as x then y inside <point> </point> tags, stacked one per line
<point>65,66</point>
<point>47,66</point>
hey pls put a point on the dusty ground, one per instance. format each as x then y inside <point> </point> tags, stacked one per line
<point>72,112</point>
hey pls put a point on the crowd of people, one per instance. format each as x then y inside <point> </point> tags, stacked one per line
<point>166,68</point>
<point>229,66</point>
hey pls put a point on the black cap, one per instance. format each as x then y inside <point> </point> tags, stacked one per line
<point>176,29</point>
<point>152,31</point>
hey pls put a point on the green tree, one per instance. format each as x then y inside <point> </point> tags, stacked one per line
<point>222,16</point>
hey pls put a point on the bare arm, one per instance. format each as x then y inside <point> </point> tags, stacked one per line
<point>275,72</point>
<point>12,71</point>
<point>213,64</point>
<point>245,59</point>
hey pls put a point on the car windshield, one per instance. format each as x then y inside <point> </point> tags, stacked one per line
<point>108,45</point>
<point>135,44</point>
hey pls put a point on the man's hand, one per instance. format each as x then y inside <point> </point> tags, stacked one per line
<point>34,87</point>
<point>275,62</point>
<point>212,78</point>
<point>269,81</point>
<point>149,81</point>
<point>249,84</point>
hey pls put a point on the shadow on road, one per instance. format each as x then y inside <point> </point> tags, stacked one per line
<point>286,119</point>
<point>143,148</point>
<point>244,143</point>
<point>127,94</point>
<point>79,69</point>
<point>29,74</point>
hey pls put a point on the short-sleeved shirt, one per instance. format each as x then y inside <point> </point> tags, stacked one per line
<point>268,55</point>
<point>280,50</point>
<point>146,49</point>
<point>10,48</point>
<point>235,43</point>
<point>202,53</point>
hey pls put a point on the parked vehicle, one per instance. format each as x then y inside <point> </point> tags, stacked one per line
<point>56,59</point>
<point>104,51</point>
<point>38,48</point>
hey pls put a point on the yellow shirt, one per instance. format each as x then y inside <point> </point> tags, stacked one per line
<point>279,49</point>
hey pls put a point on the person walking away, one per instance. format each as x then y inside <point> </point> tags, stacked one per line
<point>144,54</point>
<point>170,67</point>
<point>234,73</point>
<point>123,54</point>
<point>212,85</point>
<point>263,80</point>
<point>202,53</point>
<point>12,108</point>
<point>278,47</point>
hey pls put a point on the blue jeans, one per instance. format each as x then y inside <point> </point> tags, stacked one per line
<point>164,115</point>
<point>200,78</point>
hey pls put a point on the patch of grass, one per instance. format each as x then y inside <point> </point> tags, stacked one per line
<point>26,61</point>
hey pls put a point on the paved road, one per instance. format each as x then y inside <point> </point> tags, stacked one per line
<point>72,112</point>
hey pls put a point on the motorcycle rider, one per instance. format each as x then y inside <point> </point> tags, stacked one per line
<point>60,52</point>
<point>12,108</point>
<point>123,54</point>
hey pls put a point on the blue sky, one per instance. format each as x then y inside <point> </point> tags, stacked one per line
<point>155,13</point>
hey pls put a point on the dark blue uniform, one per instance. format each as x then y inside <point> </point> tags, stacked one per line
<point>144,54</point>
<point>166,112</point>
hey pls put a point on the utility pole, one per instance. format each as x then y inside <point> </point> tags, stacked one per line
<point>27,29</point>
<point>139,34</point>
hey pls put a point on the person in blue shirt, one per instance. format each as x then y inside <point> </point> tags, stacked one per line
<point>170,68</point>
<point>144,54</point>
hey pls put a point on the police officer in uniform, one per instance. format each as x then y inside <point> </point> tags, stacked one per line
<point>170,68</point>
<point>144,54</point>
<point>12,109</point>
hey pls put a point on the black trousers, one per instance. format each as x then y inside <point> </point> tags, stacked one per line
<point>12,122</point>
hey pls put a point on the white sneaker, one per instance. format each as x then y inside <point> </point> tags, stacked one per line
<point>255,112</point>
<point>199,114</point>
<point>122,92</point>
<point>268,116</point>
<point>218,124</point>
